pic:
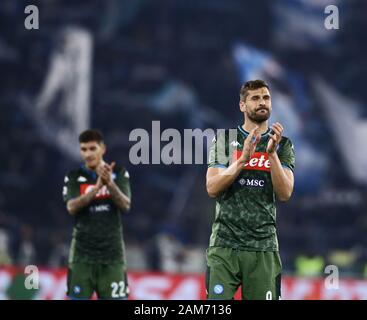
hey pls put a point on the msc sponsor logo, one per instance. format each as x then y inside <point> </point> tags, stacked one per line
<point>100,208</point>
<point>251,182</point>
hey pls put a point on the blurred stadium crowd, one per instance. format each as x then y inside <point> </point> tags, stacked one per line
<point>182,62</point>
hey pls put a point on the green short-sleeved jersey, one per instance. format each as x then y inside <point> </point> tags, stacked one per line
<point>245,214</point>
<point>97,233</point>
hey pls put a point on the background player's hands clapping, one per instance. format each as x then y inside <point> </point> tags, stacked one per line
<point>104,172</point>
<point>99,184</point>
<point>250,144</point>
<point>275,137</point>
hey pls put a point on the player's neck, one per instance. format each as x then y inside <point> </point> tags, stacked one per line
<point>249,125</point>
<point>94,168</point>
<point>91,168</point>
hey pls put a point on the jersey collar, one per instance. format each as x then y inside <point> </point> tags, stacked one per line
<point>89,171</point>
<point>246,133</point>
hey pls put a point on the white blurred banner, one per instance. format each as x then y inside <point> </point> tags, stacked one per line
<point>348,128</point>
<point>62,108</point>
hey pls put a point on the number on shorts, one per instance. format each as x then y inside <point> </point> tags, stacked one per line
<point>269,296</point>
<point>118,289</point>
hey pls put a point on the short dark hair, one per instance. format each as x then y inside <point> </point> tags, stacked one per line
<point>91,135</point>
<point>251,85</point>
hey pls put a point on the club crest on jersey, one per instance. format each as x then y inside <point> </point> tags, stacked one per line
<point>103,193</point>
<point>259,161</point>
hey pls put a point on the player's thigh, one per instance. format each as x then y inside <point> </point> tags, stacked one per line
<point>80,281</point>
<point>222,274</point>
<point>264,281</point>
<point>112,282</point>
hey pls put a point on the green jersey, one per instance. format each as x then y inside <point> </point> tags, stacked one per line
<point>245,216</point>
<point>97,233</point>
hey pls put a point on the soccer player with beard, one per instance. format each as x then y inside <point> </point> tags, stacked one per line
<point>243,249</point>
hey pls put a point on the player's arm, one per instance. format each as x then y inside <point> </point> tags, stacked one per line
<point>219,179</point>
<point>121,200</point>
<point>78,203</point>
<point>282,178</point>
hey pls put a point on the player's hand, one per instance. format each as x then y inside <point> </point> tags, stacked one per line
<point>275,137</point>
<point>99,184</point>
<point>249,146</point>
<point>105,172</point>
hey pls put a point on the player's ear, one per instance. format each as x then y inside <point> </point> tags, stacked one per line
<point>104,148</point>
<point>242,106</point>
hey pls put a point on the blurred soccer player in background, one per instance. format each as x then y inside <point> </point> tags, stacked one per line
<point>243,248</point>
<point>95,194</point>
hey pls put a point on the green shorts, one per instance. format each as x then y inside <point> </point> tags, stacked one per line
<point>258,272</point>
<point>109,281</point>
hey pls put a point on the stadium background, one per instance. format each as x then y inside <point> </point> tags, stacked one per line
<point>118,65</point>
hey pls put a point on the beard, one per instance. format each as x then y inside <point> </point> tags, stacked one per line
<point>258,116</point>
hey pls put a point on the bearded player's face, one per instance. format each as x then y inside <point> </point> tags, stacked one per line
<point>257,106</point>
<point>92,153</point>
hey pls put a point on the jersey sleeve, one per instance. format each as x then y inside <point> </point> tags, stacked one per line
<point>123,182</point>
<point>287,155</point>
<point>218,157</point>
<point>70,189</point>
